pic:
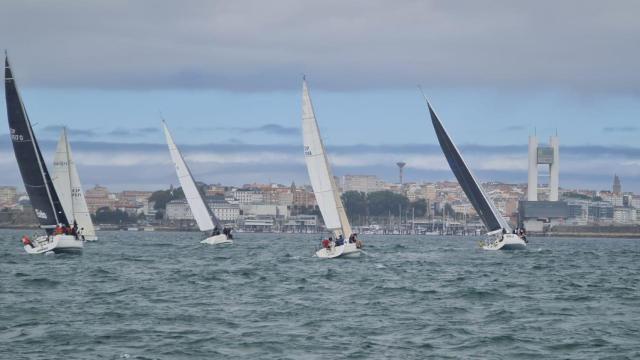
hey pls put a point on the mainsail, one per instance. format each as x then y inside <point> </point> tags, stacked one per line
<point>201,212</point>
<point>476,195</point>
<point>35,177</point>
<point>67,184</point>
<point>322,180</point>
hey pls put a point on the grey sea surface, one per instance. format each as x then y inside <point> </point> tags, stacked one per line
<point>154,295</point>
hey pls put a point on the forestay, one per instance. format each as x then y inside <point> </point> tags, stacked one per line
<point>483,205</point>
<point>204,217</point>
<point>322,181</point>
<point>69,188</point>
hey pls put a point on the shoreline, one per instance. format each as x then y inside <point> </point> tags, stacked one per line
<point>564,234</point>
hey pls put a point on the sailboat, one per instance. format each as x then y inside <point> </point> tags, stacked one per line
<point>499,231</point>
<point>67,183</point>
<point>324,186</point>
<point>37,182</point>
<point>205,218</point>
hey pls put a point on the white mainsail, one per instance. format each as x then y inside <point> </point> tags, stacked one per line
<point>205,219</point>
<point>69,188</point>
<point>322,181</point>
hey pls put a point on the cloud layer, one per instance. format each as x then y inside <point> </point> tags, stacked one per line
<point>147,166</point>
<point>586,45</point>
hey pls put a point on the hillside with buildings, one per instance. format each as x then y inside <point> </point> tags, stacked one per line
<point>373,205</point>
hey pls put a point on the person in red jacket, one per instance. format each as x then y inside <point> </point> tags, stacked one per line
<point>26,241</point>
<point>325,243</point>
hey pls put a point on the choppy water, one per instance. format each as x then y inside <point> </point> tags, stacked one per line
<point>164,296</point>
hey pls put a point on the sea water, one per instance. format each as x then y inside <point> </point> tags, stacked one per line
<point>155,295</point>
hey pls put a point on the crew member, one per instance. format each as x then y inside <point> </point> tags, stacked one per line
<point>26,241</point>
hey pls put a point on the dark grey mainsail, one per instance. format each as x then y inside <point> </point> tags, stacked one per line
<point>44,199</point>
<point>476,195</point>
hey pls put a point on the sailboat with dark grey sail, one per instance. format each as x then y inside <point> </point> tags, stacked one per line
<point>37,182</point>
<point>499,231</point>
<point>324,186</point>
<point>205,218</point>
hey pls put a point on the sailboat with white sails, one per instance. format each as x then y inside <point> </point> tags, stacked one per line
<point>44,199</point>
<point>205,218</point>
<point>500,236</point>
<point>324,186</point>
<point>67,183</point>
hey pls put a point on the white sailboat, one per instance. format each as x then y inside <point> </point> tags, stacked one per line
<point>323,183</point>
<point>500,236</point>
<point>206,220</point>
<point>43,196</point>
<point>69,188</point>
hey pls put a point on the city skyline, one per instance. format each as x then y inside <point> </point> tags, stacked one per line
<point>233,98</point>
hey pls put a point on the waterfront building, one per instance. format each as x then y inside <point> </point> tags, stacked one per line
<point>362,183</point>
<point>624,216</point>
<point>8,195</point>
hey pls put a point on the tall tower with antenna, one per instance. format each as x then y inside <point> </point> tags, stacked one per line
<point>401,165</point>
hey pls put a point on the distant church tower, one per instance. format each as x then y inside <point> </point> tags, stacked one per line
<point>617,187</point>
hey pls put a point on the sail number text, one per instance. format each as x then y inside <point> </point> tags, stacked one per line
<point>16,137</point>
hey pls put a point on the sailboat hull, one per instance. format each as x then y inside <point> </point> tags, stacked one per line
<point>57,244</point>
<point>336,251</point>
<point>217,239</point>
<point>507,242</point>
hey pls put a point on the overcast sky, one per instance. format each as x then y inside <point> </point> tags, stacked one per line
<point>226,75</point>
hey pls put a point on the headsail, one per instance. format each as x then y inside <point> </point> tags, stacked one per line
<point>472,188</point>
<point>322,181</point>
<point>35,176</point>
<point>67,184</point>
<point>204,216</point>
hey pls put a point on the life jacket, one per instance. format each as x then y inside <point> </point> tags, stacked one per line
<point>26,240</point>
<point>325,243</point>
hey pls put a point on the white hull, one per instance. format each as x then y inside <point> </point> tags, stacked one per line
<point>217,239</point>
<point>56,244</point>
<point>336,251</point>
<point>506,242</point>
<point>90,238</point>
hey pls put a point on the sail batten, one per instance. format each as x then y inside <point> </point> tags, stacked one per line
<point>38,184</point>
<point>203,215</point>
<point>483,205</point>
<point>322,180</point>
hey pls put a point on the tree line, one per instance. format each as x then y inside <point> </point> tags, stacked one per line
<point>377,204</point>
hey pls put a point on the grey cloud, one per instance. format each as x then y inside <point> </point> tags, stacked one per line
<point>140,165</point>
<point>56,129</point>
<point>264,45</point>
<point>514,128</point>
<point>133,132</point>
<point>272,129</point>
<point>611,129</point>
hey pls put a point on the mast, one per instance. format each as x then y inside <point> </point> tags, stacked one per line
<point>68,155</point>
